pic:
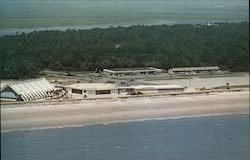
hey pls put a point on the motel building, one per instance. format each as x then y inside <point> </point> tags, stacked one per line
<point>132,71</point>
<point>207,69</point>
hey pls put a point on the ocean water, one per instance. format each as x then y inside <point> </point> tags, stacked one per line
<point>200,138</point>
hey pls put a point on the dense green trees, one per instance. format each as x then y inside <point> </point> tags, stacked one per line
<point>224,44</point>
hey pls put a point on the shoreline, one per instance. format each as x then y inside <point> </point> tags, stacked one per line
<point>126,121</point>
<point>12,31</point>
<point>125,110</point>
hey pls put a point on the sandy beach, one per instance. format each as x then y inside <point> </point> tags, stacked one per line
<point>102,111</point>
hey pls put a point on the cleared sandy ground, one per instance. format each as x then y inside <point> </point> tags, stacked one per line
<point>27,117</point>
<point>210,82</point>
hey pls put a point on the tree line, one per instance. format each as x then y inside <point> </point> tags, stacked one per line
<point>163,46</point>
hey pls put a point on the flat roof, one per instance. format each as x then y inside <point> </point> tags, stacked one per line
<point>92,86</point>
<point>195,68</point>
<point>146,69</point>
<point>155,87</point>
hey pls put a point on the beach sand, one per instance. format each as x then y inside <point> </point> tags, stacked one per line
<point>106,111</point>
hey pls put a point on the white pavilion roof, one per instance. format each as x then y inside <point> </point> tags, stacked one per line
<point>31,89</point>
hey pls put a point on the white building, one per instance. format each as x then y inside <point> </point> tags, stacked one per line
<point>92,88</point>
<point>155,88</point>
<point>27,90</point>
<point>193,69</point>
<point>132,71</point>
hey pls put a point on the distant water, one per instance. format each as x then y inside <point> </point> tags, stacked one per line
<point>35,15</point>
<point>202,138</point>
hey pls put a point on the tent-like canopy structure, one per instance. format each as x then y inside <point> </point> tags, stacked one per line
<point>27,90</point>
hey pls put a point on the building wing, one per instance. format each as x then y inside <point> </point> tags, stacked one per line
<point>28,90</point>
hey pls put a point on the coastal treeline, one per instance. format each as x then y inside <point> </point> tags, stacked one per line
<point>222,44</point>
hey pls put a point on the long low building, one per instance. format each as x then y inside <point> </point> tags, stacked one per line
<point>155,88</point>
<point>86,89</point>
<point>27,90</point>
<point>132,71</point>
<point>194,69</point>
<point>92,89</point>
